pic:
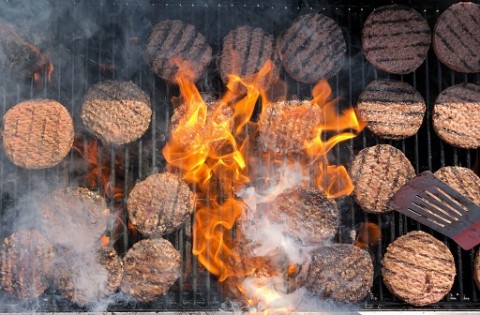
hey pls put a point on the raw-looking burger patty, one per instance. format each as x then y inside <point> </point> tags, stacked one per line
<point>285,126</point>
<point>150,269</point>
<point>456,115</point>
<point>418,268</point>
<point>176,39</point>
<point>462,179</point>
<point>456,38</point>
<point>312,48</point>
<point>89,277</point>
<point>37,133</point>
<point>20,59</point>
<point>160,204</point>
<point>378,172</point>
<point>309,216</point>
<point>245,51</point>
<point>190,136</point>
<point>117,112</point>
<point>25,261</point>
<point>392,109</point>
<point>340,272</point>
<point>74,217</point>
<point>396,39</point>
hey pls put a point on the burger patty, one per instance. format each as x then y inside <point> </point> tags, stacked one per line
<point>160,204</point>
<point>396,39</point>
<point>285,126</point>
<point>392,109</point>
<point>462,179</point>
<point>37,133</point>
<point>25,262</point>
<point>74,217</point>
<point>312,48</point>
<point>456,115</point>
<point>87,278</point>
<point>456,37</point>
<point>309,216</point>
<point>245,51</point>
<point>340,272</point>
<point>418,268</point>
<point>378,172</point>
<point>150,269</point>
<point>171,39</point>
<point>117,112</point>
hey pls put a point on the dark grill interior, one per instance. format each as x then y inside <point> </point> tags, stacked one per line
<point>90,41</point>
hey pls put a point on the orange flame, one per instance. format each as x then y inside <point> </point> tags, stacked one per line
<point>214,154</point>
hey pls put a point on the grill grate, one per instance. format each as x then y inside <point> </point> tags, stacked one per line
<point>78,61</point>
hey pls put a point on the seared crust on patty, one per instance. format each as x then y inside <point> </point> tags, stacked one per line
<point>456,115</point>
<point>378,172</point>
<point>37,133</point>
<point>418,268</point>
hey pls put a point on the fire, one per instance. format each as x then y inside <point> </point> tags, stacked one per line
<point>215,154</point>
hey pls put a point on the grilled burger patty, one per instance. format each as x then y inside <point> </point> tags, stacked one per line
<point>392,109</point>
<point>25,261</point>
<point>245,51</point>
<point>396,39</point>
<point>418,268</point>
<point>340,272</point>
<point>456,115</point>
<point>377,173</point>
<point>176,39</point>
<point>160,204</point>
<point>309,215</point>
<point>312,48</point>
<point>150,268</point>
<point>285,126</point>
<point>476,269</point>
<point>117,112</point>
<point>456,38</point>
<point>74,217</point>
<point>88,277</point>
<point>37,133</point>
<point>462,179</point>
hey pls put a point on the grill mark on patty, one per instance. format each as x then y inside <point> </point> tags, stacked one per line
<point>359,172</point>
<point>388,87</point>
<point>395,21</point>
<point>392,8</point>
<point>377,48</point>
<point>168,31</point>
<point>248,45</point>
<point>425,31</point>
<point>460,39</point>
<point>321,64</point>
<point>263,50</point>
<point>298,46</point>
<point>335,43</point>
<point>299,24</point>
<point>376,157</point>
<point>390,59</point>
<point>401,261</point>
<point>159,44</point>
<point>456,14</point>
<point>424,242</point>
<point>389,100</point>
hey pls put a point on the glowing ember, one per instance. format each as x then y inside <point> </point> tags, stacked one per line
<point>215,153</point>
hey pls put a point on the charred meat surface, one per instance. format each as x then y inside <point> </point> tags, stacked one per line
<point>117,112</point>
<point>456,115</point>
<point>20,59</point>
<point>392,109</point>
<point>150,269</point>
<point>25,262</point>
<point>378,172</point>
<point>456,37</point>
<point>74,217</point>
<point>396,39</point>
<point>312,48</point>
<point>285,126</point>
<point>340,272</point>
<point>160,204</point>
<point>88,277</point>
<point>172,39</point>
<point>37,133</point>
<point>245,51</point>
<point>418,268</point>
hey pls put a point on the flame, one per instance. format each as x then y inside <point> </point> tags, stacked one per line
<point>369,235</point>
<point>214,153</point>
<point>104,241</point>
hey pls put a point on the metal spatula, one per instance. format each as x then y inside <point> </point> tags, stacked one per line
<point>435,204</point>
